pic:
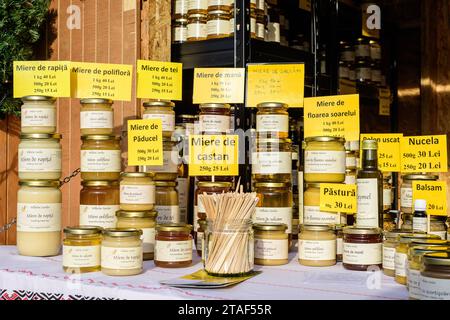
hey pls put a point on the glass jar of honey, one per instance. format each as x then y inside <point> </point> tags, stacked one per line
<point>272,120</point>
<point>271,244</point>
<point>196,28</point>
<point>137,191</point>
<point>179,30</point>
<point>197,7</point>
<point>311,210</point>
<point>161,110</point>
<point>362,248</point>
<point>96,116</point>
<point>167,204</point>
<point>181,9</point>
<point>272,160</point>
<point>214,118</point>
<point>81,249</point>
<point>317,246</point>
<point>38,115</point>
<point>173,245</point>
<point>218,25</point>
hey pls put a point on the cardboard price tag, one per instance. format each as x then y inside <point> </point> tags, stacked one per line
<point>424,154</point>
<point>101,80</point>
<point>276,82</point>
<point>42,78</point>
<point>159,80</point>
<point>213,155</point>
<point>388,150</point>
<point>145,146</point>
<point>219,85</point>
<point>336,116</point>
<point>435,194</point>
<point>335,197</point>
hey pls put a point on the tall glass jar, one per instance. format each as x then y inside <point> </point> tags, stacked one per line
<point>38,115</point>
<point>81,249</point>
<point>271,244</point>
<point>196,28</point>
<point>406,197</point>
<point>173,245</point>
<point>167,204</point>
<point>39,156</point>
<point>317,246</point>
<point>96,116</point>
<point>214,118</point>
<point>272,160</point>
<point>161,110</point>
<point>169,170</point>
<point>311,210</point>
<point>39,218</point>
<point>137,191</point>
<point>272,120</point>
<point>218,25</point>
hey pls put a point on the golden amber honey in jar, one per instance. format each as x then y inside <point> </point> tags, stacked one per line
<point>218,25</point>
<point>39,218</point>
<point>144,221</point>
<point>324,159</point>
<point>169,170</point>
<point>99,201</point>
<point>137,191</point>
<point>167,204</point>
<point>161,110</point>
<point>96,116</point>
<point>362,248</point>
<point>81,249</point>
<point>214,118</point>
<point>272,160</point>
<point>311,209</point>
<point>435,276</point>
<point>100,158</point>
<point>173,245</point>
<point>272,120</point>
<point>317,246</point>
<point>406,192</point>
<point>179,30</point>
<point>271,244</point>
<point>38,115</point>
<point>196,28</point>
<point>197,7</point>
<point>39,156</point>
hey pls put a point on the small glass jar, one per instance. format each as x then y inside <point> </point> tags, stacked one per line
<point>122,252</point>
<point>406,197</point>
<point>81,249</point>
<point>435,276</point>
<point>339,231</point>
<point>99,202</point>
<point>100,158</point>
<point>272,160</point>
<point>173,245</point>
<point>137,191</point>
<point>214,118</point>
<point>181,9</point>
<point>161,110</point>
<point>142,220</point>
<point>197,7</point>
<point>311,209</point>
<point>38,115</point>
<point>39,218</point>
<point>96,116</point>
<point>362,248</point>
<point>317,246</point>
<point>438,227</point>
<point>187,121</point>
<point>407,223</point>
<point>171,158</point>
<point>167,204</point>
<point>180,30</point>
<point>363,71</point>
<point>39,156</point>
<point>387,192</point>
<point>199,236</point>
<point>350,176</point>
<point>324,160</point>
<point>260,25</point>
<point>362,48</point>
<point>218,25</point>
<point>390,244</point>
<point>271,244</point>
<point>197,27</point>
<point>350,160</point>
<point>272,120</point>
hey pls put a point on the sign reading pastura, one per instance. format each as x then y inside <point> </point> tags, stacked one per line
<point>145,146</point>
<point>336,197</point>
<point>159,80</point>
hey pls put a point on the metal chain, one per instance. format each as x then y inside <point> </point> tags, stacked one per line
<point>67,179</point>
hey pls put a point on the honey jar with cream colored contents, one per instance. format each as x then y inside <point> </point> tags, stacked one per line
<point>96,116</point>
<point>271,244</point>
<point>38,115</point>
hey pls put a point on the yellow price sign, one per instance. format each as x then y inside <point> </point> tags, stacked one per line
<point>213,155</point>
<point>336,116</point>
<point>145,146</point>
<point>388,150</point>
<point>424,154</point>
<point>435,194</point>
<point>219,85</point>
<point>42,78</point>
<point>277,83</point>
<point>335,197</point>
<point>159,80</point>
<point>101,80</point>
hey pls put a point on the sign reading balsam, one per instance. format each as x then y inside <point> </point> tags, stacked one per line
<point>335,197</point>
<point>435,194</point>
<point>276,83</point>
<point>43,78</point>
<point>159,80</point>
<point>384,106</point>
<point>145,146</point>
<point>424,154</point>
<point>336,116</point>
<point>388,150</point>
<point>219,85</point>
<point>213,155</point>
<point>101,80</point>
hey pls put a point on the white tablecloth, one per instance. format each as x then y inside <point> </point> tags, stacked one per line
<point>43,278</point>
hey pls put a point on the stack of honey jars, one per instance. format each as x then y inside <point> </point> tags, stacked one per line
<point>39,169</point>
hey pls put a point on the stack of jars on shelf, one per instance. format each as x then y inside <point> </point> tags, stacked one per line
<point>39,169</point>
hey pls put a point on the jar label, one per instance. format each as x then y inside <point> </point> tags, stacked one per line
<point>96,119</point>
<point>199,242</point>
<point>33,117</point>
<point>387,197</point>
<point>260,30</point>
<point>317,249</point>
<point>350,179</point>
<point>313,215</point>
<point>38,217</point>
<point>274,215</point>
<point>197,4</point>
<point>271,249</point>
<point>253,25</point>
<point>325,162</point>
<point>214,123</point>
<point>168,120</point>
<point>420,224</point>
<point>180,34</point>
<point>121,258</point>
<point>39,160</point>
<point>434,289</point>
<point>350,162</point>
<point>364,73</point>
<point>148,239</point>
<point>170,163</point>
<point>183,196</point>
<point>100,161</point>
<point>400,264</point>
<point>339,246</point>
<point>388,258</point>
<point>217,27</point>
<point>414,284</point>
<point>97,215</point>
<point>406,197</point>
<point>367,191</point>
<point>181,7</point>
<point>273,34</point>
<point>81,256</point>
<point>173,251</point>
<point>219,3</point>
<point>362,50</point>
<point>260,4</point>
<point>271,163</point>
<point>168,214</point>
<point>442,234</point>
<point>137,194</point>
<point>272,123</point>
<point>196,30</point>
<point>362,253</point>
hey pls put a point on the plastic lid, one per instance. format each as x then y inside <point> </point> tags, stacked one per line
<point>420,205</point>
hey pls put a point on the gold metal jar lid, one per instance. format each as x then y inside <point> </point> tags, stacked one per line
<point>437,258</point>
<point>324,139</point>
<point>429,242</point>
<point>83,230</point>
<point>40,183</point>
<point>272,105</point>
<point>361,231</point>
<point>161,103</point>
<point>38,98</point>
<point>136,214</point>
<point>369,145</point>
<point>272,184</point>
<point>100,137</point>
<point>413,251</point>
<point>174,227</point>
<point>27,136</point>
<point>96,101</point>
<point>270,226</point>
<point>219,184</point>
<point>137,174</point>
<point>165,183</point>
<point>408,238</point>
<point>215,105</point>
<point>122,232</point>
<point>99,183</point>
<point>412,177</point>
<point>315,227</point>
